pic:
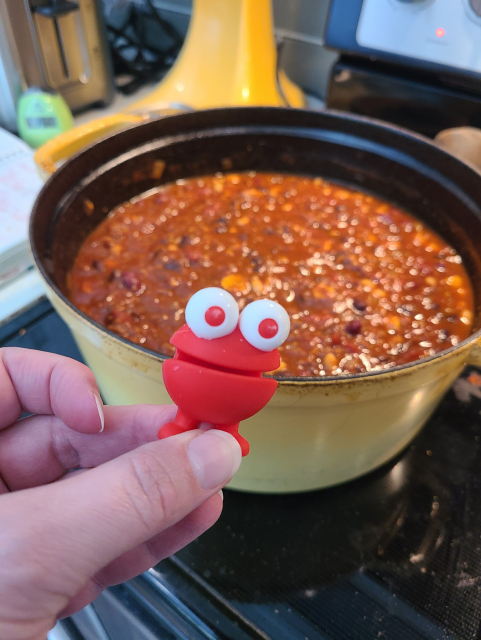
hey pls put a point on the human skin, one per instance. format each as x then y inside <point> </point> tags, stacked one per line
<point>131,501</point>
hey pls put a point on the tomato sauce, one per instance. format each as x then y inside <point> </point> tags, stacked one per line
<point>367,286</point>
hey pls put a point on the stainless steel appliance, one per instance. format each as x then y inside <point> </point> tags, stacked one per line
<point>436,35</point>
<point>56,44</point>
<point>416,63</point>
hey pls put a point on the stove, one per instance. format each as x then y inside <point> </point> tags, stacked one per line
<point>415,63</point>
<point>394,555</point>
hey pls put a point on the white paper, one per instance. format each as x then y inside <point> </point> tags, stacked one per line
<point>19,186</point>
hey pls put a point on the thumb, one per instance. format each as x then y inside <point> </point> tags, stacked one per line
<point>53,538</point>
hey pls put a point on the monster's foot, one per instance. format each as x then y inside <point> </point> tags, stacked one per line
<point>233,429</point>
<point>171,429</point>
<point>181,423</point>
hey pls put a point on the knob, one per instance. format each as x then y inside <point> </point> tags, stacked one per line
<point>476,7</point>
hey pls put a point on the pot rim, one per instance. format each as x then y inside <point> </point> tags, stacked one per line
<point>474,338</point>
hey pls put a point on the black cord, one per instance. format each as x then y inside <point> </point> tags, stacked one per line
<point>169,28</point>
<point>136,61</point>
<point>280,42</point>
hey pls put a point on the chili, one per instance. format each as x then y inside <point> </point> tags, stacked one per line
<point>367,286</point>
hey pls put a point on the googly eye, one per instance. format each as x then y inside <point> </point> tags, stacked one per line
<point>264,324</point>
<point>212,313</point>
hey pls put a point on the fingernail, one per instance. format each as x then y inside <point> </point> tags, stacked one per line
<point>100,409</point>
<point>214,457</point>
<point>221,493</point>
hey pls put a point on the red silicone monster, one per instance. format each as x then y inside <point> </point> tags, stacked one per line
<point>216,373</point>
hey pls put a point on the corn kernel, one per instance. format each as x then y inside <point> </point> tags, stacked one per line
<point>323,290</point>
<point>330,362</point>
<point>455,281</point>
<point>88,207</point>
<point>235,282</point>
<point>257,285</point>
<point>393,323</point>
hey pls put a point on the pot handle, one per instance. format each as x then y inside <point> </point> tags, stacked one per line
<point>68,143</point>
<point>474,357</point>
<point>462,142</point>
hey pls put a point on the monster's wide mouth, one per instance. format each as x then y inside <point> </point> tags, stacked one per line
<point>185,357</point>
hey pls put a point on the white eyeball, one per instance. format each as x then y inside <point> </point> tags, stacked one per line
<point>265,324</point>
<point>212,313</point>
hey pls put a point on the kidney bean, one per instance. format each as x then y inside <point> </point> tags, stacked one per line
<point>131,280</point>
<point>173,265</point>
<point>360,305</point>
<point>354,327</point>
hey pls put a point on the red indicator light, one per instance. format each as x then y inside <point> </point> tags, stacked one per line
<point>440,32</point>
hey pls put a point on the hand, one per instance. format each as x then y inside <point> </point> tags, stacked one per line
<point>64,537</point>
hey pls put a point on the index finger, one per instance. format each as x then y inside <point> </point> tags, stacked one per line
<point>45,383</point>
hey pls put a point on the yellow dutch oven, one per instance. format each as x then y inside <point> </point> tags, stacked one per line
<point>315,432</point>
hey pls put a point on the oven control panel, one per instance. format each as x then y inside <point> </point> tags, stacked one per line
<point>444,32</point>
